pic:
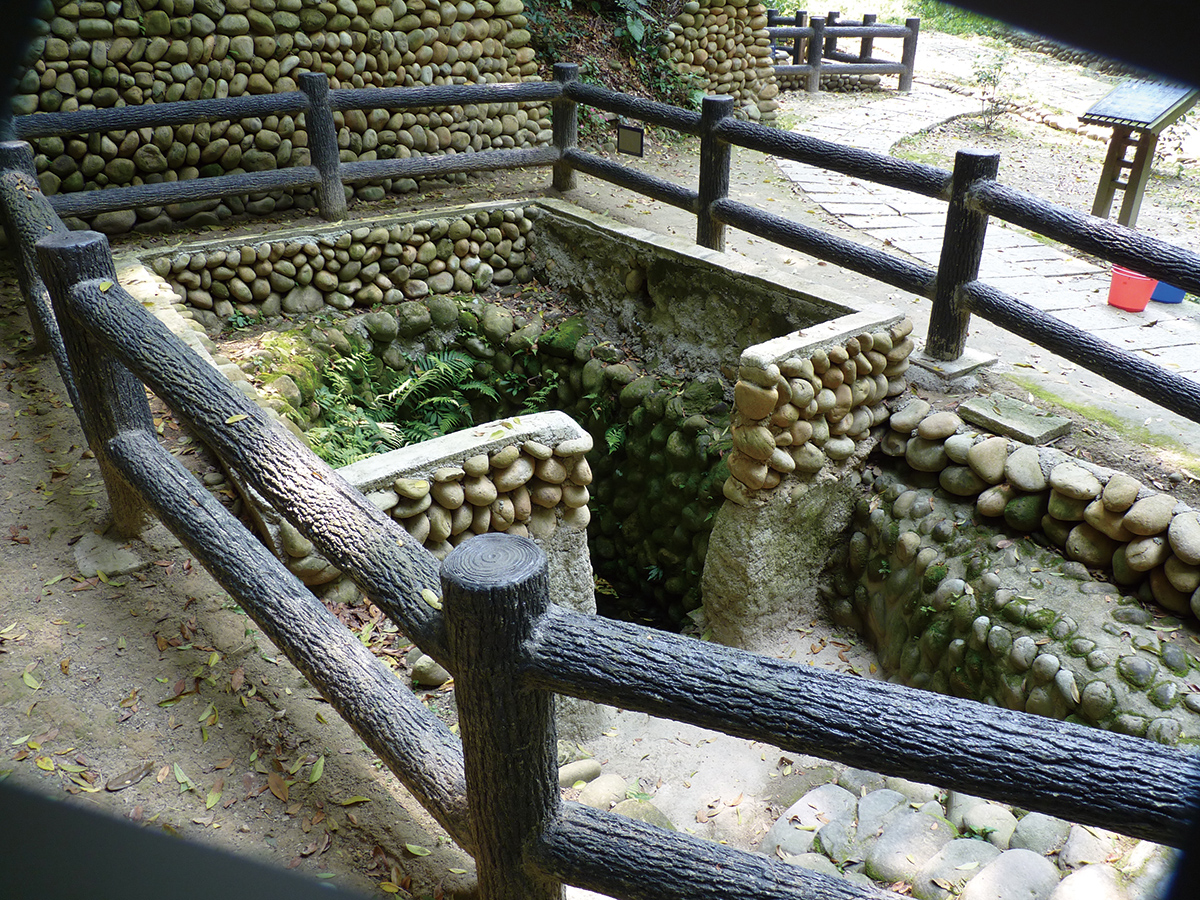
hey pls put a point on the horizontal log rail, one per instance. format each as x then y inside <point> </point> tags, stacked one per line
<point>443,95</point>
<point>432,166</point>
<point>179,112</point>
<point>1100,237</point>
<point>841,30</point>
<point>1114,781</point>
<point>623,176</point>
<point>919,178</point>
<point>1136,373</point>
<point>685,121</point>
<point>886,267</point>
<point>514,649</point>
<point>878,67</point>
<point>90,203</point>
<point>623,857</point>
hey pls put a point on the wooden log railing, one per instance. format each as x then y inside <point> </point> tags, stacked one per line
<point>527,647</point>
<point>326,174</point>
<point>512,647</point>
<point>814,51</point>
<point>971,190</point>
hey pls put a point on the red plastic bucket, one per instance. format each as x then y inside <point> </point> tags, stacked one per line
<point>1129,290</point>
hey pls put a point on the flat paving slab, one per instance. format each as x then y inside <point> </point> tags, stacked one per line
<point>1006,416</point>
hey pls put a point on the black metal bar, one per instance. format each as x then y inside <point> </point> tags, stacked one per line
<point>893,270</point>
<point>1121,245</point>
<point>673,117</point>
<point>622,857</point>
<point>443,95</point>
<point>919,178</point>
<point>564,123</point>
<point>962,250</point>
<point>411,740</point>
<point>622,176</point>
<point>495,587</point>
<point>1082,774</point>
<point>89,203</point>
<point>419,166</point>
<point>715,155</point>
<point>180,112</point>
<point>1147,379</point>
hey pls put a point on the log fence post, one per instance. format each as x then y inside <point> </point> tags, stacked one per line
<point>798,47</point>
<point>867,47</point>
<point>830,44</point>
<point>564,126</point>
<point>112,400</point>
<point>322,145</point>
<point>962,250</point>
<point>17,156</point>
<point>908,56</point>
<point>715,155</point>
<point>816,44</point>
<point>495,587</point>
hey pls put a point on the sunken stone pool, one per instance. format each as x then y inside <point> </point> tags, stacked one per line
<point>728,451</point>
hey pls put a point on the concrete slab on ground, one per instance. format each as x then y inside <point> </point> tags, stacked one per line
<point>1003,415</point>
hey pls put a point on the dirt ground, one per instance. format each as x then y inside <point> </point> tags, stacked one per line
<point>151,695</point>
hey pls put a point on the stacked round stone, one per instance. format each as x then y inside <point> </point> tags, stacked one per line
<point>1148,541</point>
<point>725,43</point>
<point>528,489</point>
<point>362,267</point>
<point>800,415</point>
<point>89,56</point>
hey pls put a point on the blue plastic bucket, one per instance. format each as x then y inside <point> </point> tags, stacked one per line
<point>1165,293</point>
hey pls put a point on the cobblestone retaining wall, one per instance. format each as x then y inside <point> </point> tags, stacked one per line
<point>725,45</point>
<point>377,262</point>
<point>954,574</point>
<point>96,55</point>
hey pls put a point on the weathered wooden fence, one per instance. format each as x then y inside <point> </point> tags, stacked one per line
<point>814,47</point>
<point>496,792</point>
<point>327,173</point>
<point>509,648</point>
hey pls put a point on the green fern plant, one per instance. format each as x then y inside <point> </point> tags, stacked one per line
<point>368,409</point>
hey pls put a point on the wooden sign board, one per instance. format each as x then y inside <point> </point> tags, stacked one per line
<point>1136,111</point>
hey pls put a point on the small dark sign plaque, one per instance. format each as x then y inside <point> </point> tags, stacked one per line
<point>630,139</point>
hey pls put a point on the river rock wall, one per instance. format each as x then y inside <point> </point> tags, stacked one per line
<point>377,262</point>
<point>99,55</point>
<point>724,45</point>
<point>954,571</point>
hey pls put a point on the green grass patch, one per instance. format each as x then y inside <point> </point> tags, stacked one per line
<point>1182,455</point>
<point>937,16</point>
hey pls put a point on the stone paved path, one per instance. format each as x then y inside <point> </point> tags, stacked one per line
<point>1073,289</point>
